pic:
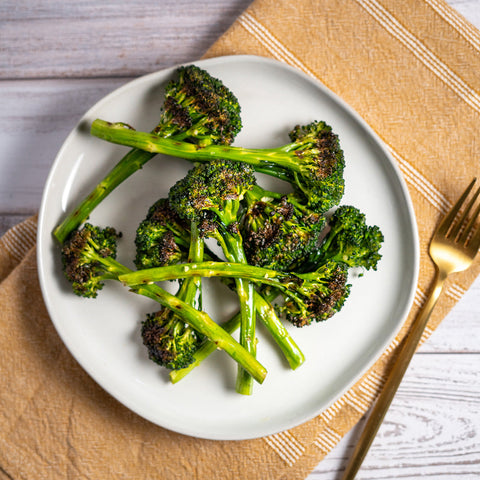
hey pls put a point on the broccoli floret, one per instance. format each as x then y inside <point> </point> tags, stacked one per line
<point>170,342</point>
<point>312,162</point>
<point>322,162</point>
<point>88,260</point>
<point>324,292</point>
<point>216,187</point>
<point>162,237</point>
<point>276,233</point>
<point>350,240</point>
<point>198,109</point>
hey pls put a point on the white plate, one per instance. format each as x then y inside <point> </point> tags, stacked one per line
<point>103,334</point>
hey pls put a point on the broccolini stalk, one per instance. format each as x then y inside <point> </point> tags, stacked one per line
<point>210,195</point>
<point>170,342</point>
<point>88,258</point>
<point>245,292</point>
<point>312,162</point>
<point>194,286</point>
<point>312,296</point>
<point>268,316</point>
<point>205,350</point>
<point>198,109</point>
<point>130,163</point>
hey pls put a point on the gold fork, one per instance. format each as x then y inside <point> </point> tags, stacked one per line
<point>452,249</point>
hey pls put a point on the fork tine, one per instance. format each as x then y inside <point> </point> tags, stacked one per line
<point>446,223</point>
<point>474,243</point>
<point>456,229</point>
<point>469,227</point>
<point>471,236</point>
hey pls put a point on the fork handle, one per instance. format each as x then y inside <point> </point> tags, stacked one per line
<point>402,360</point>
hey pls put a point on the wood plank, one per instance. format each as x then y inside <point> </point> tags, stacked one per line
<point>432,429</point>
<point>36,118</point>
<point>460,330</point>
<point>91,39</point>
<point>469,9</point>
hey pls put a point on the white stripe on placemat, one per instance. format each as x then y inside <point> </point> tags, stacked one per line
<point>421,52</point>
<point>424,186</point>
<point>271,43</point>
<point>356,402</point>
<point>455,291</point>
<point>286,446</point>
<point>327,440</point>
<point>451,16</point>
<point>419,298</point>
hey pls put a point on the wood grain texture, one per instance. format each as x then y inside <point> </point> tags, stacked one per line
<point>112,38</point>
<point>58,58</point>
<point>38,115</point>
<point>431,430</point>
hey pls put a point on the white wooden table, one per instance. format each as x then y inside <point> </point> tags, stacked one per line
<point>57,58</point>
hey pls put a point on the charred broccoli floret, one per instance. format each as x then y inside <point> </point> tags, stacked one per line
<point>312,162</point>
<point>277,234</point>
<point>323,294</point>
<point>170,341</point>
<point>88,260</point>
<point>216,187</point>
<point>322,164</point>
<point>198,109</point>
<point>161,238</point>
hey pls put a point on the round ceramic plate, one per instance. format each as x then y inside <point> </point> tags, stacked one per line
<point>103,334</point>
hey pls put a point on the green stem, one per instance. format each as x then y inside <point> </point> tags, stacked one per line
<point>198,320</point>
<point>247,333</point>
<point>121,134</point>
<point>266,276</point>
<point>234,251</point>
<point>257,193</point>
<point>287,344</point>
<point>267,315</point>
<point>205,350</point>
<point>193,294</point>
<point>129,164</point>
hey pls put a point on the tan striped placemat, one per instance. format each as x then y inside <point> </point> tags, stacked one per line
<point>410,69</point>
